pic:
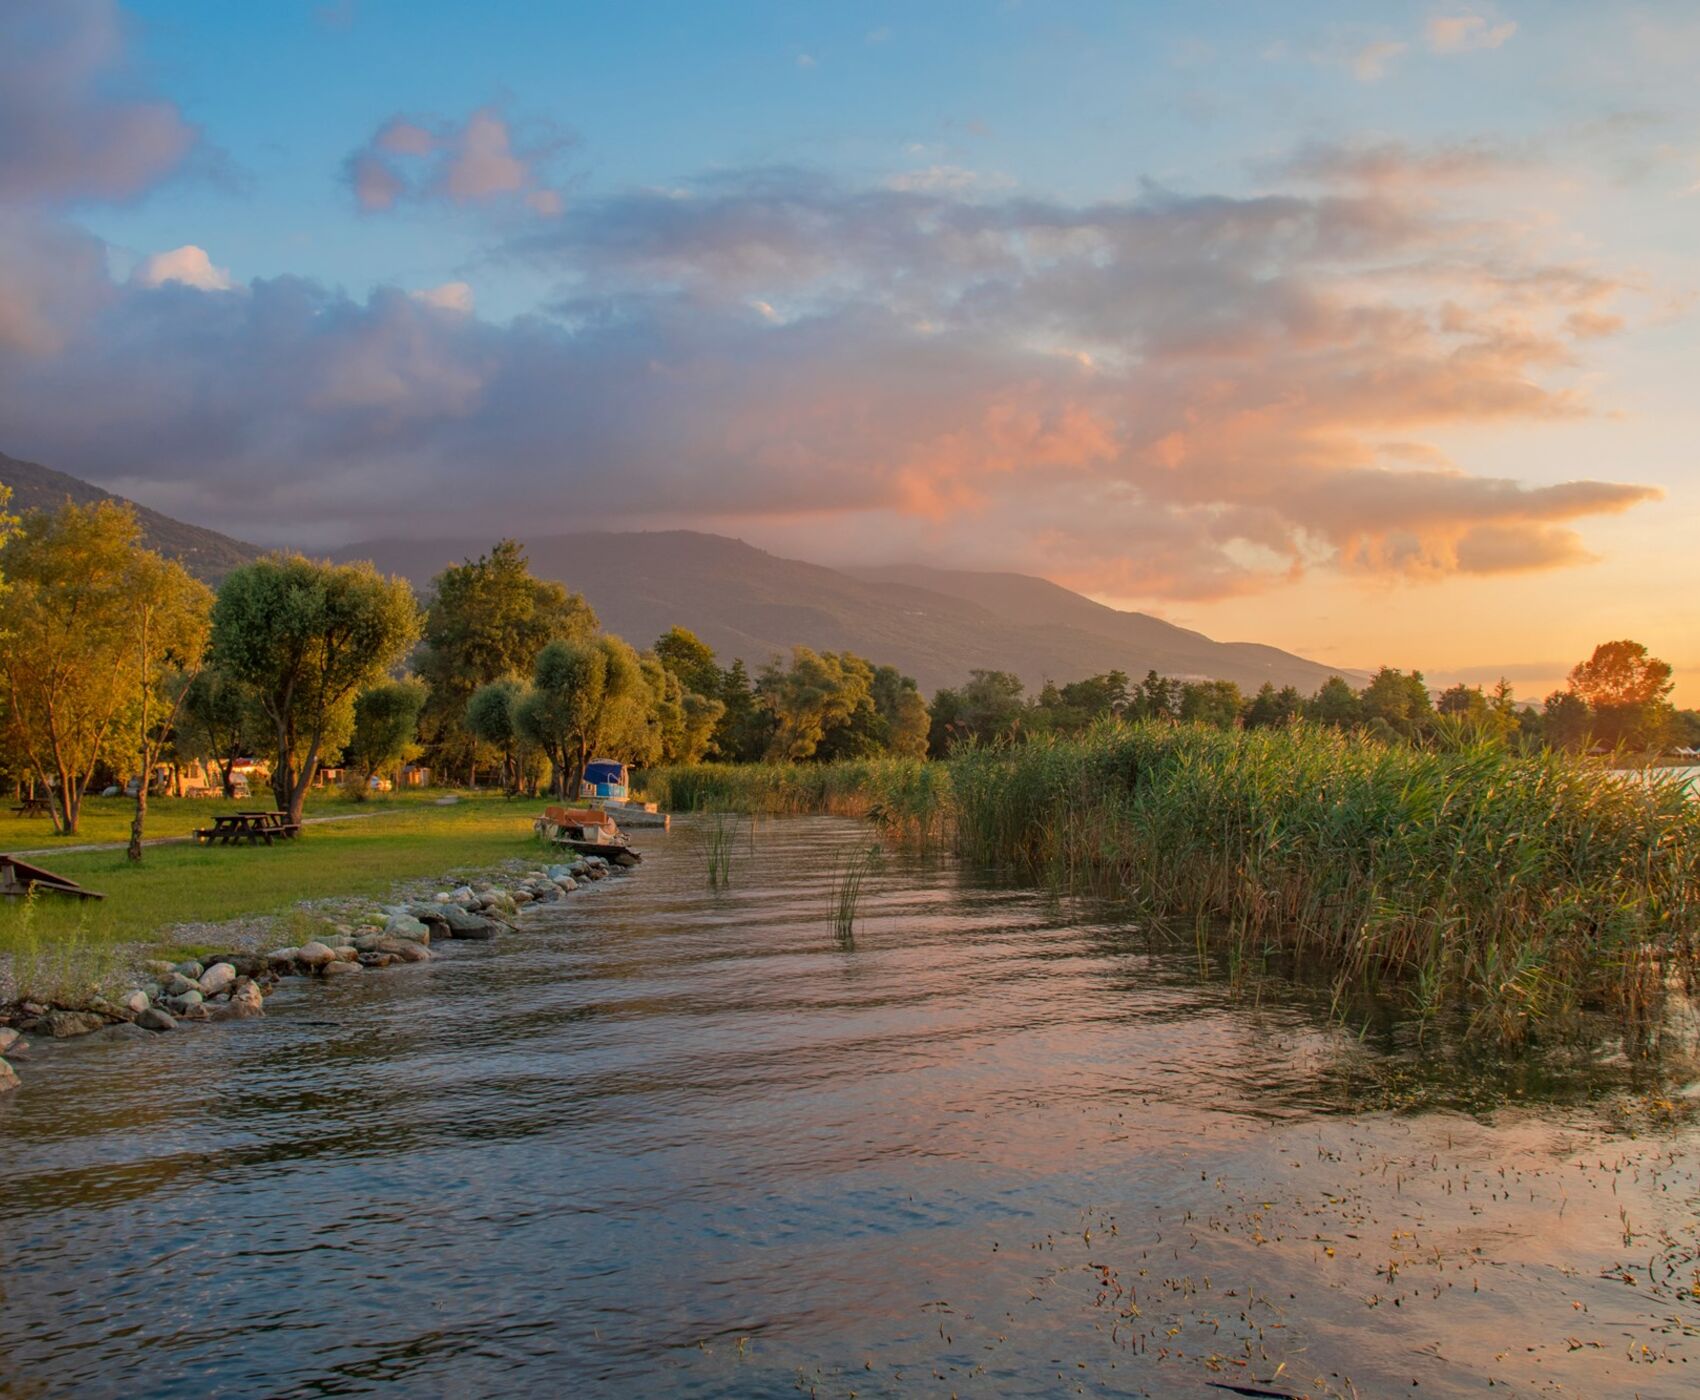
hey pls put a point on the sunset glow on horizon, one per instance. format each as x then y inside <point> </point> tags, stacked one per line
<point>1367,338</point>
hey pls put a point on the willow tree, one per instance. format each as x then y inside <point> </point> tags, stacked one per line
<point>168,621</point>
<point>583,695</point>
<point>306,637</point>
<point>88,622</point>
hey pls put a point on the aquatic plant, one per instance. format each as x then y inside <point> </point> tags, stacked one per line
<point>847,891</point>
<point>1517,892</point>
<point>720,830</point>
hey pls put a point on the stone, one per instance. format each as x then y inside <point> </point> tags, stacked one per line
<point>338,968</point>
<point>245,1001</point>
<point>188,999</point>
<point>135,1002</point>
<point>8,1078</point>
<point>367,942</point>
<point>315,956</point>
<point>522,897</point>
<point>282,960</point>
<point>159,969</point>
<point>178,983</point>
<point>346,952</point>
<point>153,1019</point>
<point>191,969</point>
<point>461,924</point>
<point>218,978</point>
<point>566,884</point>
<point>124,1030</point>
<point>406,926</point>
<point>463,896</point>
<point>62,1025</point>
<point>402,950</point>
<point>8,1038</point>
<point>377,960</point>
<point>448,801</point>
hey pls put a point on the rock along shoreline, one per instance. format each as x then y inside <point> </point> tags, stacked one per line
<point>233,985</point>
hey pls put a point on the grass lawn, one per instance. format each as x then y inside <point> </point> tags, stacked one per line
<point>404,837</point>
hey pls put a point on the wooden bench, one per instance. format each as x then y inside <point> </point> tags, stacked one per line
<point>33,806</point>
<point>234,828</point>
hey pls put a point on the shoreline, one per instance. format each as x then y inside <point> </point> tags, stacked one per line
<point>348,935</point>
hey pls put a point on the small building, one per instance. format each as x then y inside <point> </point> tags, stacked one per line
<point>416,775</point>
<point>606,777</point>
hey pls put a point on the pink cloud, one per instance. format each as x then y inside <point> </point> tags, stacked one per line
<point>473,163</point>
<point>63,134</point>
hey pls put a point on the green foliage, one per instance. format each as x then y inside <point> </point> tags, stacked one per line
<point>386,724</point>
<point>584,696</point>
<point>305,638</point>
<point>816,692</point>
<point>488,619</point>
<point>1627,691</point>
<point>492,718</point>
<point>988,710</point>
<point>689,658</point>
<point>1216,703</point>
<point>218,723</point>
<point>94,630</point>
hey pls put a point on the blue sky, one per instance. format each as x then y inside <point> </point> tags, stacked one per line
<point>1363,330</point>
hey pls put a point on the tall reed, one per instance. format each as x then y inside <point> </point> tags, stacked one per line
<point>1522,892</point>
<point>847,891</point>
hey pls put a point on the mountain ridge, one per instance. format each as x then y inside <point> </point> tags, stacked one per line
<point>936,625</point>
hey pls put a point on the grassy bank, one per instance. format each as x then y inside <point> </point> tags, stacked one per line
<point>1517,892</point>
<point>385,841</point>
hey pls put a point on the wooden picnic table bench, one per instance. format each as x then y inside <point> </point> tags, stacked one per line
<point>33,806</point>
<point>252,827</point>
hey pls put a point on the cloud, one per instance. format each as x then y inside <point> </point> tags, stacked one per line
<point>1467,33</point>
<point>188,265</point>
<point>1369,64</point>
<point>1164,396</point>
<point>66,132</point>
<point>475,162</point>
<point>1397,163</point>
<point>450,296</point>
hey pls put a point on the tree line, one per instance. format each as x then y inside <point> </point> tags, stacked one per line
<point>115,661</point>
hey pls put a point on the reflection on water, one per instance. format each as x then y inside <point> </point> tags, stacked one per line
<point>679,1140</point>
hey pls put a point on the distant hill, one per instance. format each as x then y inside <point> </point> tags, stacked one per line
<point>205,553</point>
<point>936,625</point>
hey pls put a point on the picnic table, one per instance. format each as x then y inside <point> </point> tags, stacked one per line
<point>234,828</point>
<point>33,806</point>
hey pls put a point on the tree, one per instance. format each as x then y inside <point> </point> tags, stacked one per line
<point>1566,721</point>
<point>745,728</point>
<point>218,722</point>
<point>902,711</point>
<point>386,725</point>
<point>1215,703</point>
<point>815,692</point>
<point>583,695</point>
<point>488,619</point>
<point>1628,691</point>
<point>1335,703</point>
<point>1271,708</point>
<point>169,615</point>
<point>492,718</point>
<point>305,638</point>
<point>68,653</point>
<point>689,658</point>
<point>1398,701</point>
<point>1156,697</point>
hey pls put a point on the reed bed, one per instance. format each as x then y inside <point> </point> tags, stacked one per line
<point>1520,894</point>
<point>907,798</point>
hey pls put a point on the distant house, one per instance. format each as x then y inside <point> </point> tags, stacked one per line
<point>416,775</point>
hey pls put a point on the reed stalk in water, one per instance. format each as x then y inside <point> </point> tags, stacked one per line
<point>847,892</point>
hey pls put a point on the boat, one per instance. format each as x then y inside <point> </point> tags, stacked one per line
<point>589,832</point>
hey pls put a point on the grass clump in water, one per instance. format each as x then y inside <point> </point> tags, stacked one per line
<point>847,892</point>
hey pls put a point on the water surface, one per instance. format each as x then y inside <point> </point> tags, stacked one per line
<point>672,1140</point>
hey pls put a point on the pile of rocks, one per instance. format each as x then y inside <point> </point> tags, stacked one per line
<point>234,985</point>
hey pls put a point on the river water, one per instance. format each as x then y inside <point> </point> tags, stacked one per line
<point>670,1140</point>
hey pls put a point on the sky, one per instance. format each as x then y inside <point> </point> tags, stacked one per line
<point>1367,332</point>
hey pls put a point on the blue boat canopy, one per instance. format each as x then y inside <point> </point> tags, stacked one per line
<point>605,777</point>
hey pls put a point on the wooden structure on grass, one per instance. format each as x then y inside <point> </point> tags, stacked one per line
<point>19,878</point>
